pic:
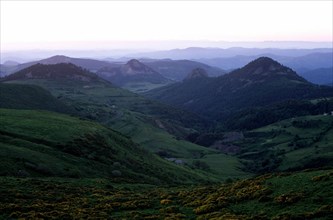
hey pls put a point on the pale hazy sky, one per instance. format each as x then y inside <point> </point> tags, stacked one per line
<point>71,24</point>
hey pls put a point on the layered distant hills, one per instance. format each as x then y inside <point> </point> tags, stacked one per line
<point>135,75</point>
<point>321,76</point>
<point>132,72</point>
<point>300,60</point>
<point>312,64</point>
<point>192,53</point>
<point>90,64</point>
<point>259,83</point>
<point>55,72</point>
<point>299,63</point>
<point>177,70</point>
<point>196,73</point>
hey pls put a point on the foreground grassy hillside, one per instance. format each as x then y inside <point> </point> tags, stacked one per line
<point>301,195</point>
<point>40,143</point>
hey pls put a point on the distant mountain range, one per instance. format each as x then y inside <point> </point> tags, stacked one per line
<point>193,53</point>
<point>135,75</point>
<point>314,67</point>
<point>300,60</point>
<point>132,72</point>
<point>90,64</point>
<point>214,61</point>
<point>10,63</point>
<point>259,83</point>
<point>321,76</point>
<point>62,71</point>
<point>299,64</point>
<point>177,70</point>
<point>196,73</point>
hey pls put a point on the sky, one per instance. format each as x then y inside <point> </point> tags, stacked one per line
<point>145,24</point>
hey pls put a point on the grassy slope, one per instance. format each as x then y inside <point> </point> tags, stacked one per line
<point>136,117</point>
<point>98,99</point>
<point>301,195</point>
<point>49,144</point>
<point>297,143</point>
<point>30,97</point>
